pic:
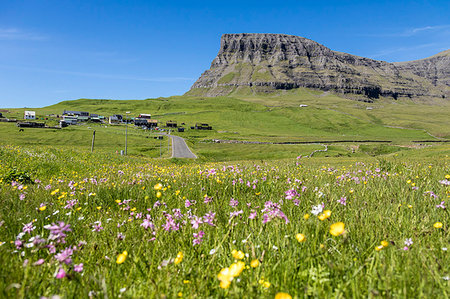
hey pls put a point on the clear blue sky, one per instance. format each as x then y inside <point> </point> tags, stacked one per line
<point>61,50</point>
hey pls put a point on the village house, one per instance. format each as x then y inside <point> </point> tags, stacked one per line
<point>75,113</point>
<point>115,119</point>
<point>29,115</point>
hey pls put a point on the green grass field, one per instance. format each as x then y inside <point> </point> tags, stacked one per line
<point>244,220</point>
<point>77,224</point>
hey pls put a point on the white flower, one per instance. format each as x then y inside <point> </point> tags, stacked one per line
<point>29,245</point>
<point>122,290</point>
<point>316,210</point>
<point>20,235</point>
<point>408,242</point>
<point>274,247</point>
<point>212,251</point>
<point>446,278</point>
<point>444,248</point>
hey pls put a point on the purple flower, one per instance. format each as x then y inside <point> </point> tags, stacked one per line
<point>441,205</point>
<point>70,203</point>
<point>343,200</point>
<point>57,231</point>
<point>121,236</point>
<point>445,182</point>
<point>188,203</point>
<point>253,215</point>
<point>291,194</point>
<point>233,203</point>
<point>22,196</point>
<point>146,223</point>
<point>65,256</point>
<point>209,218</point>
<point>198,238</point>
<point>18,243</point>
<point>78,268</point>
<point>48,187</point>
<point>170,225</point>
<point>196,221</point>
<point>97,226</point>
<point>207,199</point>
<point>28,228</point>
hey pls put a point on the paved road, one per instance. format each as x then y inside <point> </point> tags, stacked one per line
<point>180,148</point>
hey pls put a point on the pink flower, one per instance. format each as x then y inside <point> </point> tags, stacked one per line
<point>61,273</point>
<point>252,215</point>
<point>38,262</point>
<point>78,268</point>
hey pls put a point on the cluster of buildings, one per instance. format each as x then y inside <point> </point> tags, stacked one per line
<point>144,121</point>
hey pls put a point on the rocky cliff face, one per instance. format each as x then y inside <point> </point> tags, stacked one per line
<point>267,62</point>
<point>435,68</point>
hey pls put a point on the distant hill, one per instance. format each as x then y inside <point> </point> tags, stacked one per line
<point>269,62</point>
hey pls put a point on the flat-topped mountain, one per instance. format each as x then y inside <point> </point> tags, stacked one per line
<point>267,62</point>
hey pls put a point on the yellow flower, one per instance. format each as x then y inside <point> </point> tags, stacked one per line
<point>146,197</point>
<point>158,194</point>
<point>54,191</point>
<point>322,217</point>
<point>42,208</point>
<point>122,257</point>
<point>384,243</point>
<point>186,281</point>
<point>327,213</point>
<point>99,208</point>
<point>337,228</point>
<point>224,284</point>
<point>158,187</point>
<point>282,295</point>
<point>300,237</point>
<point>239,255</point>
<point>378,248</point>
<point>236,268</point>
<point>179,258</point>
<point>438,225</point>
<point>266,284</point>
<point>254,263</point>
<point>306,216</point>
<point>180,294</point>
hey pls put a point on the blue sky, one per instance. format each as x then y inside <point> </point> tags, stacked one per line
<point>52,51</point>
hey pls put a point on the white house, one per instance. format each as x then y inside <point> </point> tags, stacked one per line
<point>29,115</point>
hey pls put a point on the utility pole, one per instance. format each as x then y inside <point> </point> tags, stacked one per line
<point>126,131</point>
<point>168,143</point>
<point>93,140</point>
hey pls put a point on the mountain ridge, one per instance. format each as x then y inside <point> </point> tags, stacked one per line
<point>264,62</point>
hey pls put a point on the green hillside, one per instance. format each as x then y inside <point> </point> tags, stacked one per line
<point>300,115</point>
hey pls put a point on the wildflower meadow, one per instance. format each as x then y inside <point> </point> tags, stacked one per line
<point>80,225</point>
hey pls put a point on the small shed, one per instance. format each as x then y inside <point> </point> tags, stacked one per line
<point>200,126</point>
<point>171,124</point>
<point>29,115</point>
<point>145,116</point>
